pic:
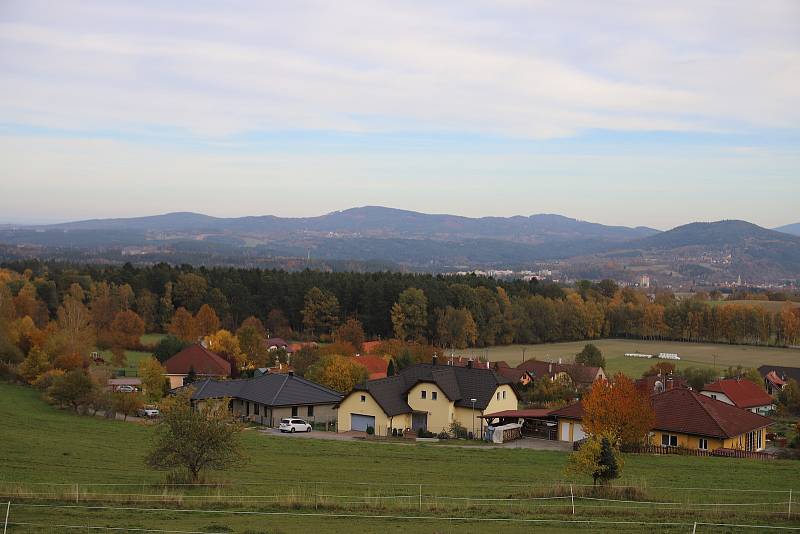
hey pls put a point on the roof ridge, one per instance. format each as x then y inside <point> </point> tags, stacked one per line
<point>702,404</point>
<point>280,388</point>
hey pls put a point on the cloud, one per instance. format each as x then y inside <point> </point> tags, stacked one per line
<point>535,70</point>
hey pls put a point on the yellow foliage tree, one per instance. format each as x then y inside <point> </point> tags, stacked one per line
<point>34,365</point>
<point>337,372</point>
<point>152,374</point>
<point>226,344</point>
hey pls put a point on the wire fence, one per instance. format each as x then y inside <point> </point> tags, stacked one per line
<point>676,525</point>
<point>580,501</point>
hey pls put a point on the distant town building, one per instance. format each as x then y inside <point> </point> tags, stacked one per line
<point>644,280</point>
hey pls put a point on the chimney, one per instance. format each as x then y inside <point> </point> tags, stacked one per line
<point>559,361</point>
<point>469,364</point>
<point>435,359</point>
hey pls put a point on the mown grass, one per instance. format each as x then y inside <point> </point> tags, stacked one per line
<point>40,444</point>
<point>691,354</point>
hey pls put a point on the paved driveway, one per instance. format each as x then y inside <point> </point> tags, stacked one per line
<point>344,436</point>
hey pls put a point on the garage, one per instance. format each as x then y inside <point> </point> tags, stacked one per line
<point>361,422</point>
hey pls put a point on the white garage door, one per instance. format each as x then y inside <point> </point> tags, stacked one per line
<point>578,434</point>
<point>565,432</point>
<point>361,422</point>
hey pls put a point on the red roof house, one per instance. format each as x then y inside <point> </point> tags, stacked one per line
<point>375,365</point>
<point>741,393</point>
<point>199,359</point>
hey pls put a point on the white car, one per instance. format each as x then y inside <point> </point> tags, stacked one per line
<point>149,412</point>
<point>294,425</point>
<point>126,389</point>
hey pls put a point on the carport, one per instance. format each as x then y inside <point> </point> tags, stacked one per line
<point>536,422</point>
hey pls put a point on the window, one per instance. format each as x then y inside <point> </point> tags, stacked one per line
<point>504,394</point>
<point>759,440</point>
<point>294,411</point>
<point>713,396</point>
<point>424,394</point>
<point>255,409</point>
<point>703,444</point>
<point>310,411</point>
<point>669,440</point>
<point>498,395</point>
<point>434,395</point>
<point>363,398</point>
<point>750,440</point>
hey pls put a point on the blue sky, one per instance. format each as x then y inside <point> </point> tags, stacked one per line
<point>616,112</point>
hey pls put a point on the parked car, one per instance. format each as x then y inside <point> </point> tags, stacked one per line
<point>126,389</point>
<point>149,412</point>
<point>294,425</point>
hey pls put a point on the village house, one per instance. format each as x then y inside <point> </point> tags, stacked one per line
<point>741,393</point>
<point>659,383</point>
<point>685,418</point>
<point>269,398</point>
<point>276,343</point>
<point>579,375</point>
<point>197,359</point>
<point>776,377</point>
<point>427,396</point>
<point>375,365</point>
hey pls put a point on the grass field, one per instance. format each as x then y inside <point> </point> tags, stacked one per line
<point>692,354</point>
<point>133,357</point>
<point>43,445</point>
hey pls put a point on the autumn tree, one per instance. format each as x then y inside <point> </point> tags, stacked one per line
<point>596,457</point>
<point>303,359</point>
<point>619,410</point>
<point>183,325</point>
<point>320,311</point>
<point>34,365</point>
<point>72,389</point>
<point>75,335</point>
<point>126,403</point>
<point>206,320</point>
<point>277,324</point>
<point>253,342</point>
<point>192,441</point>
<point>337,372</point>
<point>410,315</point>
<point>152,374</point>
<point>352,332</point>
<point>590,356</point>
<point>168,347</point>
<point>455,328</point>
<point>127,328</point>
<point>660,368</point>
<point>226,345</point>
<point>698,377</point>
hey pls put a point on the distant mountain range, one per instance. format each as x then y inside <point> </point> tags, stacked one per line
<point>376,221</point>
<point>426,242</point>
<point>793,229</point>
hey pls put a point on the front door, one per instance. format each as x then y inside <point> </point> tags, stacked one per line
<point>419,420</point>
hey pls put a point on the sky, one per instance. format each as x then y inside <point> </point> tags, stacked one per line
<point>631,113</point>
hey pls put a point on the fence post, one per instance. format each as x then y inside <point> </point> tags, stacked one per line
<point>5,525</point>
<point>76,494</point>
<point>789,513</point>
<point>572,498</point>
<point>694,528</point>
<point>316,495</point>
<point>420,497</point>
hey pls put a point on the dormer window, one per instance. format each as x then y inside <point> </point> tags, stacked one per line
<point>424,394</point>
<point>434,395</point>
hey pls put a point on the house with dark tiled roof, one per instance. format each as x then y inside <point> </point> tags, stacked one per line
<point>685,418</point>
<point>275,343</point>
<point>579,375</point>
<point>268,398</point>
<point>203,362</point>
<point>741,393</point>
<point>428,396</point>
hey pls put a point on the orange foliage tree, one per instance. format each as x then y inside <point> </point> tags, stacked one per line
<point>127,328</point>
<point>207,320</point>
<point>183,325</point>
<point>618,408</point>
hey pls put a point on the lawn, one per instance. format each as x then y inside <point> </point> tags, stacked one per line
<point>694,354</point>
<point>41,444</point>
<point>133,357</point>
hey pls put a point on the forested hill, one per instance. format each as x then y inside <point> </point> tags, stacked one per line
<point>376,221</point>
